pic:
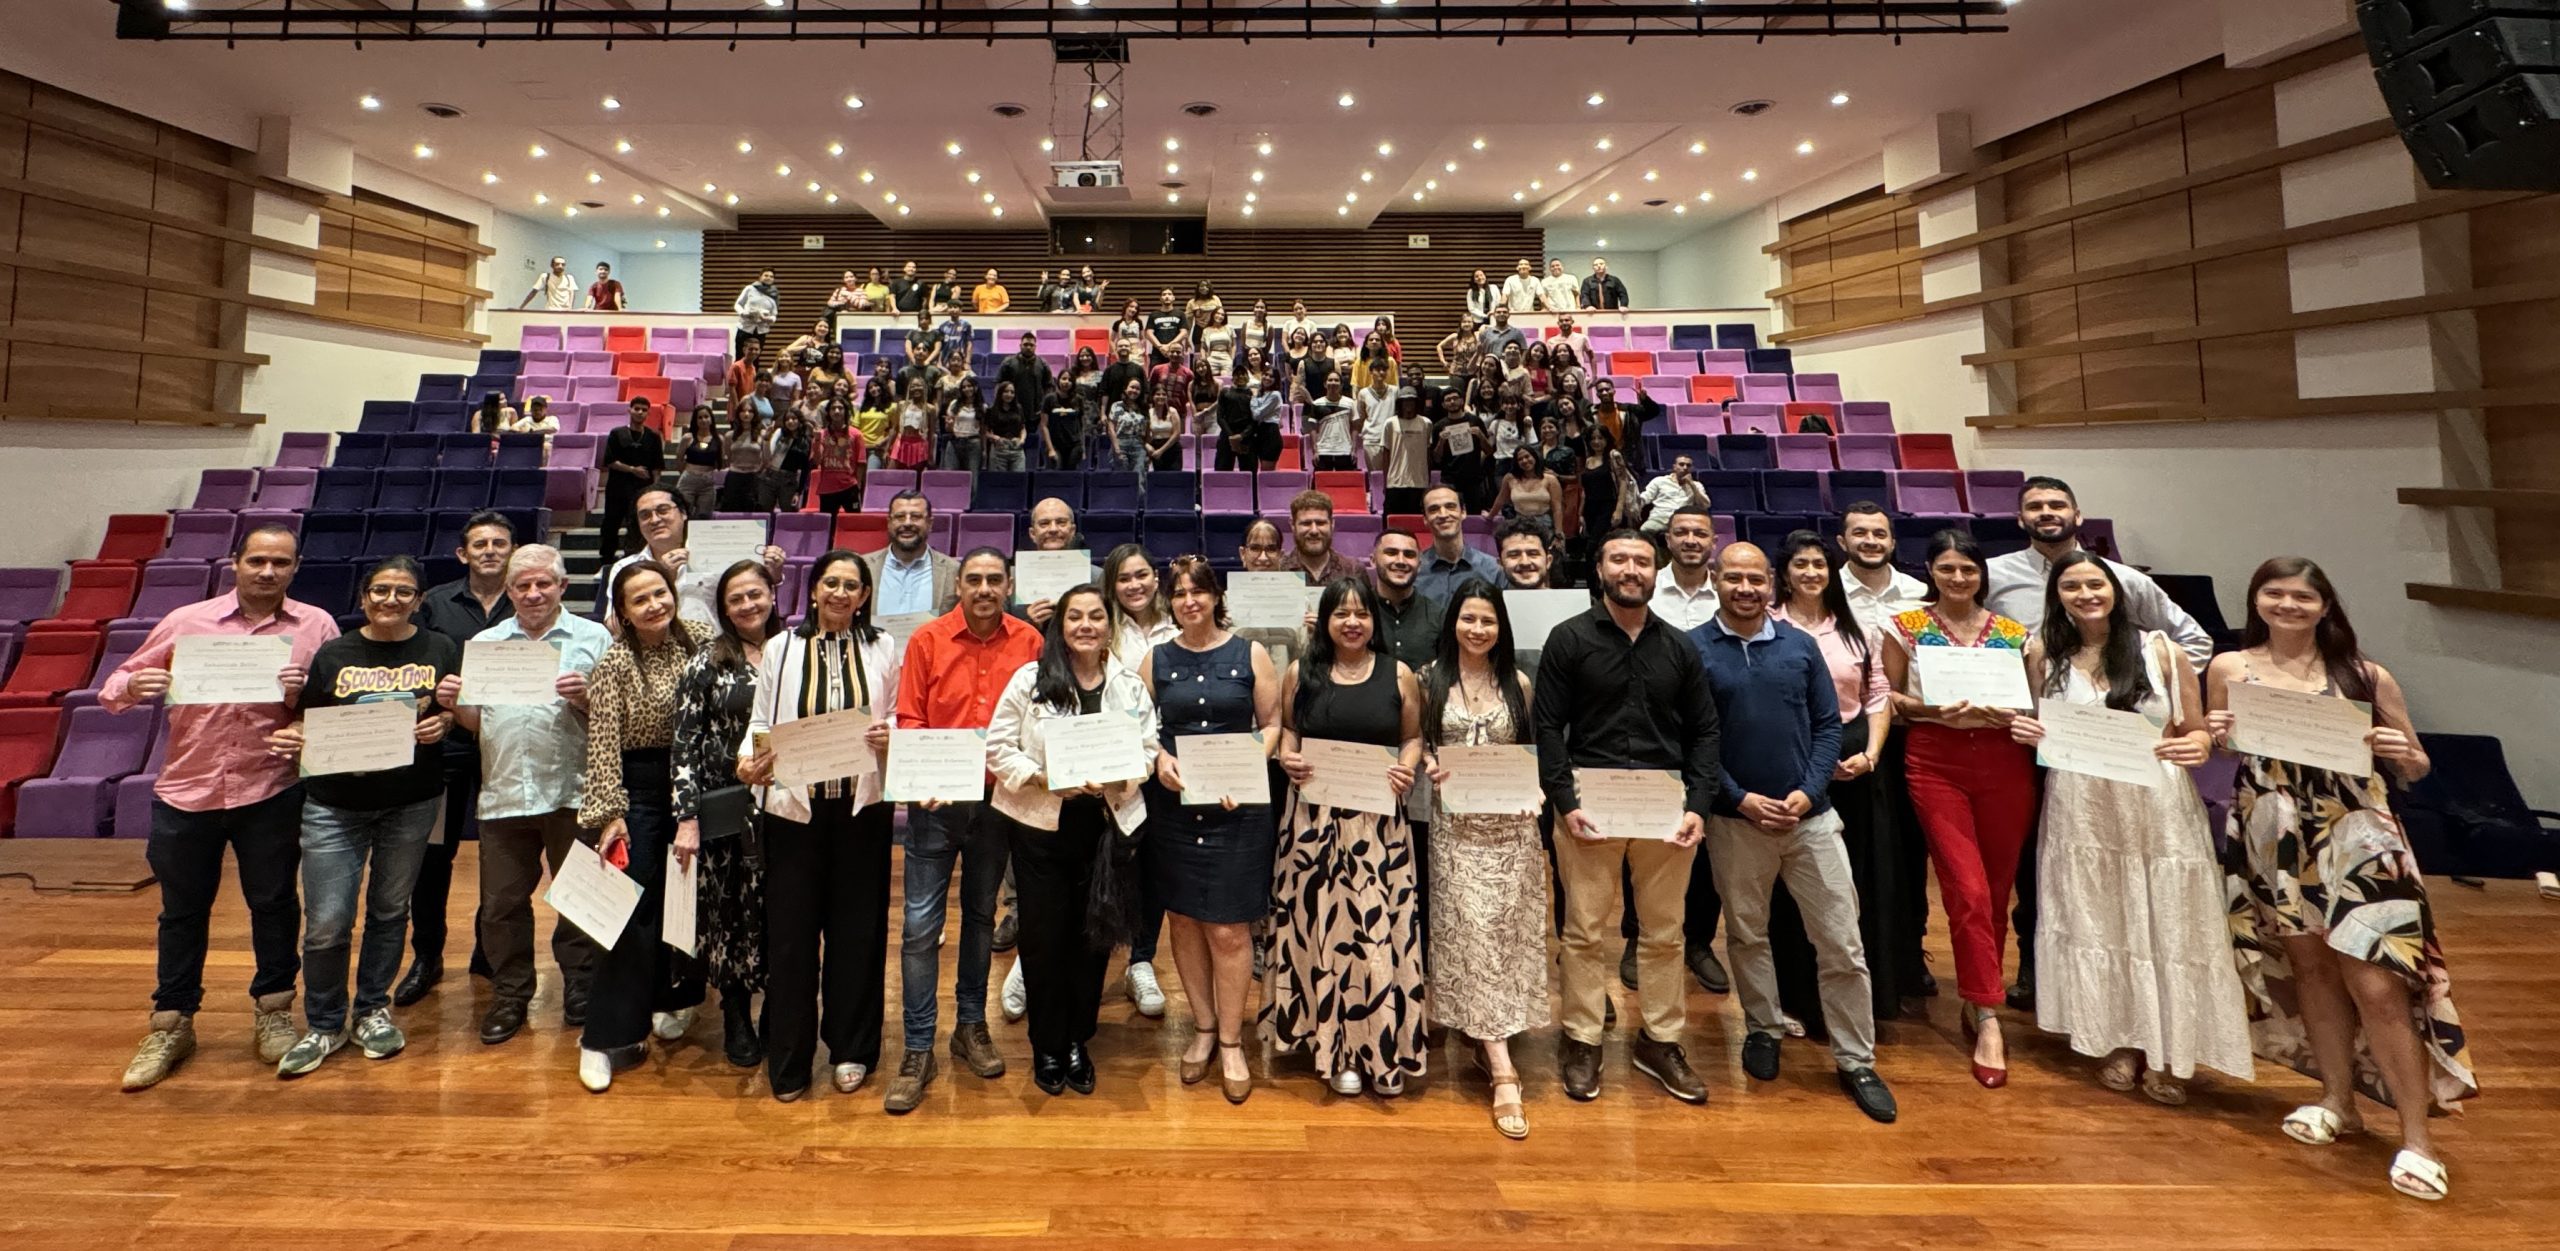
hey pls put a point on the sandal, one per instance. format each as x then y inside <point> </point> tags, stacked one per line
<point>1195,1070</point>
<point>2162,1089</point>
<point>1509,1118</point>
<point>2418,1177</point>
<point>2120,1071</point>
<point>2314,1125</point>
<point>1237,1089</point>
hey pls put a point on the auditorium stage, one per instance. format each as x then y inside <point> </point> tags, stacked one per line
<point>457,1145</point>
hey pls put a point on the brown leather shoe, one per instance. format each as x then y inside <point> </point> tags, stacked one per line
<point>1579,1065</point>
<point>971,1046</point>
<point>1664,1063</point>
<point>906,1090</point>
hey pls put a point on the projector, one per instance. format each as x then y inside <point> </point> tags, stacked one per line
<point>1086,174</point>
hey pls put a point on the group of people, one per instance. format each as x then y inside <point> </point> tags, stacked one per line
<point>1771,703</point>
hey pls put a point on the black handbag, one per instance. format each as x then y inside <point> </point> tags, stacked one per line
<point>730,812</point>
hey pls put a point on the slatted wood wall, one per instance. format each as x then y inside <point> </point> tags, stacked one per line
<point>1850,260</point>
<point>2513,243</point>
<point>395,262</point>
<point>1341,270</point>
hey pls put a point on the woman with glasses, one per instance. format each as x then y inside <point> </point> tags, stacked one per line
<point>383,816</point>
<point>826,842</point>
<point>627,797</point>
<point>712,706</point>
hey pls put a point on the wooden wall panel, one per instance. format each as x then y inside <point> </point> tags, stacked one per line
<point>1845,260</point>
<point>1339,270</point>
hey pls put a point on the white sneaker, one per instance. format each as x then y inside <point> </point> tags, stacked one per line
<point>1143,990</point>
<point>849,1077</point>
<point>671,1026</point>
<point>595,1071</point>
<point>1346,1082</point>
<point>1017,998</point>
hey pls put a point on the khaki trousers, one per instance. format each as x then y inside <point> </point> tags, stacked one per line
<point>1592,906</point>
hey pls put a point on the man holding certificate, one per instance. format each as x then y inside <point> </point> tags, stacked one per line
<point>954,672</point>
<point>221,788</point>
<point>1780,718</point>
<point>1624,714</point>
<point>664,532</point>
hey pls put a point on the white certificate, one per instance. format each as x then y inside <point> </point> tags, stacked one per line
<point>1498,778</point>
<point>2321,731</point>
<point>675,916</point>
<point>824,748</point>
<point>592,895</point>
<point>1048,575</point>
<point>1093,747</point>
<point>1348,776</point>
<point>1985,677</point>
<point>1535,613</point>
<point>710,547</point>
<point>2100,742</point>
<point>949,765</point>
<point>1268,601</point>
<point>903,626</point>
<point>228,669</point>
<point>1632,803</point>
<point>360,738</point>
<point>509,671</point>
<point>1216,767</point>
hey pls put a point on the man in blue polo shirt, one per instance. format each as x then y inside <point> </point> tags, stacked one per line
<point>1772,819</point>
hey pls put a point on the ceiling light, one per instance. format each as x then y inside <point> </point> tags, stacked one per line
<point>1478,145</point>
<point>1613,197</point>
<point>368,102</point>
<point>1839,98</point>
<point>1251,196</point>
<point>1345,100</point>
<point>475,4</point>
<point>659,242</point>
<point>986,197</point>
<point>1264,148</point>
<point>889,197</point>
<point>1535,185</point>
<point>1172,145</point>
<point>865,176</point>
<point>1518,196</point>
<point>709,188</point>
<point>1173,167</point>
<point>835,149</point>
<point>488,176</point>
<point>1591,208</point>
<point>1101,101</point>
<point>1449,167</point>
<point>1565,167</point>
<point>1386,149</point>
<point>832,197</point>
<point>1603,145</point>
<point>663,210</point>
<point>539,198</point>
<point>814,188</point>
<point>973,177</point>
<point>1173,197</point>
<point>952,147</point>
<point>1431,184</point>
<point>537,152</point>
<point>570,211</point>
<point>997,210</point>
<point>782,171</point>
<point>1366,176</point>
<point>1048,144</point>
<point>1652,175</point>
<point>1751,175</point>
<point>1595,99</point>
<point>745,147</point>
<point>1080,3</point>
<point>1342,210</point>
<point>1679,209</point>
<point>1603,243</point>
<point>611,103</point>
<point>1417,195</point>
<point>1697,147</point>
<point>1351,197</point>
<point>733,197</point>
<point>1248,210</point>
<point>637,198</point>
<point>903,210</point>
<point>1805,148</point>
<point>853,102</point>
<point>1706,197</point>
<point>593,178</point>
<point>422,151</point>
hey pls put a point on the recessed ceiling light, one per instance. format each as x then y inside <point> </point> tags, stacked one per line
<point>1431,184</point>
<point>663,210</point>
<point>611,103</point>
<point>1613,197</point>
<point>659,242</point>
<point>903,210</point>
<point>1679,208</point>
<point>368,102</point>
<point>814,188</point>
<point>986,197</point>
<point>1448,167</point>
<point>1342,210</point>
<point>593,178</point>
<point>1101,101</point>
<point>488,176</point>
<point>1366,176</point>
<point>1706,197</point>
<point>1173,197</point>
<point>1264,148</point>
<point>1595,99</point>
<point>537,152</point>
<point>1048,144</point>
<point>1652,175</point>
<point>889,197</point>
<point>1173,167</point>
<point>1257,176</point>
<point>832,197</point>
<point>622,146</point>
<point>745,147</point>
<point>865,176</point>
<point>1564,167</point>
<point>539,198</point>
<point>1172,144</point>
<point>973,177</point>
<point>1751,175</point>
<point>1252,196</point>
<point>1839,98</point>
<point>1386,149</point>
<point>1351,197</point>
<point>1603,243</point>
<point>1345,100</point>
<point>1603,144</point>
<point>1478,145</point>
<point>570,211</point>
<point>853,102</point>
<point>782,171</point>
<point>1591,208</point>
<point>1805,148</point>
<point>1248,210</point>
<point>952,147</point>
<point>1697,147</point>
<point>637,198</point>
<point>1417,196</point>
<point>1535,185</point>
<point>1518,196</point>
<point>997,210</point>
<point>835,149</point>
<point>422,151</point>
<point>733,197</point>
<point>709,188</point>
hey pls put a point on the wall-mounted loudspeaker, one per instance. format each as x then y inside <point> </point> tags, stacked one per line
<point>2474,86</point>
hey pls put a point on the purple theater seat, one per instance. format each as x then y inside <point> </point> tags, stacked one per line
<point>1274,490</point>
<point>594,364</point>
<point>122,642</point>
<point>1867,451</point>
<point>1355,535</point>
<point>1866,417</point>
<point>302,449</point>
<point>167,586</point>
<point>195,535</point>
<point>582,337</point>
<point>228,489</point>
<point>286,488</point>
<point>77,799</point>
<point>802,536</point>
<point>1706,419</point>
<point>1931,491</point>
<point>1731,363</point>
<point>538,339</point>
<point>1993,492</point>
<point>1822,387</point>
<point>1765,388</point>
<point>28,594</point>
<point>670,339</point>
<point>1755,418</point>
<point>1803,451</point>
<point>986,530</point>
<point>133,795</point>
<point>1226,491</point>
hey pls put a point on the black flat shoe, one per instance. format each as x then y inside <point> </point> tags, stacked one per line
<point>1048,1072</point>
<point>1709,971</point>
<point>1760,1056</point>
<point>2022,997</point>
<point>1868,1091</point>
<point>573,1005</point>
<point>738,1041</point>
<point>1079,1068</point>
<point>424,973</point>
<point>505,1018</point>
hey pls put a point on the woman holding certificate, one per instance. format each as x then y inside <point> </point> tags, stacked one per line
<point>627,798</point>
<point>1972,785</point>
<point>2135,946</point>
<point>712,706</point>
<point>1071,737</point>
<point>1344,979</point>
<point>1488,869</point>
<point>826,839</point>
<point>2338,948</point>
<point>1139,622</point>
<point>1210,855</point>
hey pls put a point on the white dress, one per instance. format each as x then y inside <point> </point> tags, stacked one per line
<point>2133,945</point>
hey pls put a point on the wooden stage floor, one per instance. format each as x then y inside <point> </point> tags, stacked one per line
<point>456,1145</point>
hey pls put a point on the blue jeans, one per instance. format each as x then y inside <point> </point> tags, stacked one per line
<point>970,837</point>
<point>336,842</point>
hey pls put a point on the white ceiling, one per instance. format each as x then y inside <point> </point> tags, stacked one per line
<point>686,109</point>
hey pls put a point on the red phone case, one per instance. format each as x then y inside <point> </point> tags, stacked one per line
<point>620,856</point>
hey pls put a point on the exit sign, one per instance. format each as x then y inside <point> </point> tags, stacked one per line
<point>812,243</point>
<point>1417,241</point>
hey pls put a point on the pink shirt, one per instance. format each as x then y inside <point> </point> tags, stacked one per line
<point>218,752</point>
<point>1846,679</point>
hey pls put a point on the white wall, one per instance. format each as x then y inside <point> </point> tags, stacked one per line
<point>661,282</point>
<point>526,245</point>
<point>1721,266</point>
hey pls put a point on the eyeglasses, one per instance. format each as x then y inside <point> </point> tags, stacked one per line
<point>395,594</point>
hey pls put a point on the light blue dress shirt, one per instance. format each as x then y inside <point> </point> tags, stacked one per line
<point>532,756</point>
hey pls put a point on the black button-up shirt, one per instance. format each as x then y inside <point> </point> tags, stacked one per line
<point>1606,701</point>
<point>454,612</point>
<point>1411,631</point>
<point>635,445</point>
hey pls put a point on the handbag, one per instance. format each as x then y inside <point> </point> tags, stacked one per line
<point>730,812</point>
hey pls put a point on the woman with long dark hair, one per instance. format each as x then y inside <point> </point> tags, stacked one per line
<point>703,452</point>
<point>714,702</point>
<point>826,843</point>
<point>1973,786</point>
<point>494,415</point>
<point>1074,859</point>
<point>1482,294</point>
<point>1009,420</point>
<point>1816,603</point>
<point>836,460</point>
<point>627,797</point>
<point>2131,919</point>
<point>964,425</point>
<point>1140,620</point>
<point>1488,870</point>
<point>1344,978</point>
<point>2338,948</point>
<point>1210,858</point>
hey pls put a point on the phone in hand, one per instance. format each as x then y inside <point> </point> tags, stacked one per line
<point>619,855</point>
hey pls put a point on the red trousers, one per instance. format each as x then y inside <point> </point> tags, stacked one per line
<point>1975,793</point>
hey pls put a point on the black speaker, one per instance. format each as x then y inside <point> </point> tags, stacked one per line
<point>142,19</point>
<point>2474,86</point>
